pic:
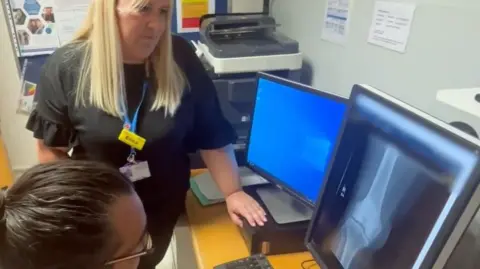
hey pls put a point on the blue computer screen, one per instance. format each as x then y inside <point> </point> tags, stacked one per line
<point>293,135</point>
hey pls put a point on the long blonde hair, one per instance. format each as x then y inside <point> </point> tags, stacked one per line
<point>105,86</point>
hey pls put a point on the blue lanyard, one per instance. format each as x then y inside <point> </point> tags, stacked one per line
<point>132,125</point>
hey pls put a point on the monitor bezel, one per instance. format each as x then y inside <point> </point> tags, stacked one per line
<point>455,223</point>
<point>305,88</point>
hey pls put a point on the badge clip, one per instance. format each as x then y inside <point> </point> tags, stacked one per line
<point>131,158</point>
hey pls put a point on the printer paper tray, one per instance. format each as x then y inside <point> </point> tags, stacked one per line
<point>252,64</point>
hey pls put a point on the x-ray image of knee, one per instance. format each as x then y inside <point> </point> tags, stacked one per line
<point>386,188</point>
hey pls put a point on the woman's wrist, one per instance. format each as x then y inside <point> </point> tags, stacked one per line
<point>228,194</point>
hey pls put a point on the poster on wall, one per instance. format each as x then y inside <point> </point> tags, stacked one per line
<point>336,21</point>
<point>27,102</point>
<point>34,22</point>
<point>30,77</point>
<point>189,13</point>
<point>41,26</point>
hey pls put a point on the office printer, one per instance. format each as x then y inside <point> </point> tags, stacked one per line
<point>233,48</point>
<point>246,43</point>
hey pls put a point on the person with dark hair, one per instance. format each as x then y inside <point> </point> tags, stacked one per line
<point>72,215</point>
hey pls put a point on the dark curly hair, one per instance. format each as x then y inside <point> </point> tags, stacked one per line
<point>55,216</point>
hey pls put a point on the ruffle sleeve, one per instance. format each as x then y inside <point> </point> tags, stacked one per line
<point>50,120</point>
<point>52,134</point>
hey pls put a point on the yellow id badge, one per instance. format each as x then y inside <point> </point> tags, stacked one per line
<point>133,140</point>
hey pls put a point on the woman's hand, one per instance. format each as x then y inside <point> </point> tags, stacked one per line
<point>240,204</point>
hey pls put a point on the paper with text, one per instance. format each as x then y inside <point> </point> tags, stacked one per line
<point>336,21</point>
<point>70,17</point>
<point>391,25</point>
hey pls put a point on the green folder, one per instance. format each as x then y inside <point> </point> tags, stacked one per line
<point>208,193</point>
<point>204,201</point>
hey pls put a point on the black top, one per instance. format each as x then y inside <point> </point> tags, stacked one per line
<point>197,124</point>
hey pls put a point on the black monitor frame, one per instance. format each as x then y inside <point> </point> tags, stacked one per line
<point>455,224</point>
<point>302,87</point>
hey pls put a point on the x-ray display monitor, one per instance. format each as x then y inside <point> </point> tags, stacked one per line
<point>397,186</point>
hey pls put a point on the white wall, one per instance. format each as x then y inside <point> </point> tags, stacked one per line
<point>19,142</point>
<point>443,52</point>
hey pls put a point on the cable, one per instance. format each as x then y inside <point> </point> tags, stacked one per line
<point>304,264</point>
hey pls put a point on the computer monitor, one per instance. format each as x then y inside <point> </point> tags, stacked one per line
<point>400,192</point>
<point>294,131</point>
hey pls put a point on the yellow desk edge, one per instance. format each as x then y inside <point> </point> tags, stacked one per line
<point>6,176</point>
<point>217,240</point>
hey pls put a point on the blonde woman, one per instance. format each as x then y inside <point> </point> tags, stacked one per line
<point>128,93</point>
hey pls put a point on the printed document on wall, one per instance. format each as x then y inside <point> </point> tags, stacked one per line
<point>391,25</point>
<point>189,13</point>
<point>69,17</point>
<point>336,22</point>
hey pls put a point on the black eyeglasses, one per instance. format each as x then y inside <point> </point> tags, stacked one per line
<point>148,250</point>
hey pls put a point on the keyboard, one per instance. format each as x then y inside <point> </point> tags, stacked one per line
<point>258,261</point>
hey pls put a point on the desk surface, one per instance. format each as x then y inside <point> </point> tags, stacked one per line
<point>216,239</point>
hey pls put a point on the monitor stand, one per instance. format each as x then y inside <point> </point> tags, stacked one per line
<point>283,207</point>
